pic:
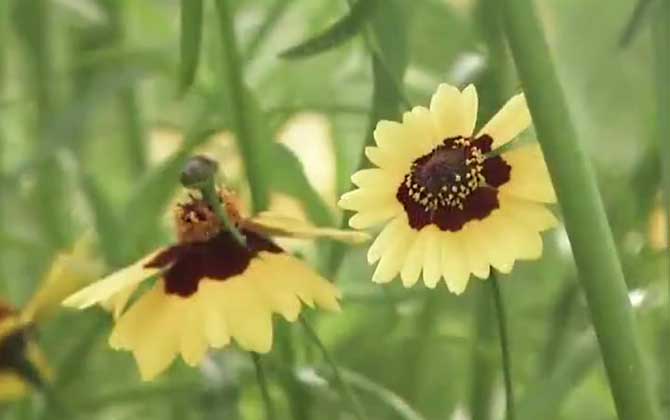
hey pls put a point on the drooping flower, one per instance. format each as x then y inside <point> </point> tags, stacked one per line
<point>452,204</point>
<point>210,289</point>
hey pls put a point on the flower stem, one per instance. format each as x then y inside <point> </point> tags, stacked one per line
<point>586,223</point>
<point>345,390</point>
<point>208,190</point>
<point>263,384</point>
<point>504,347</point>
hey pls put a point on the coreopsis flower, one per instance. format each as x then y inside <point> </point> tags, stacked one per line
<point>22,363</point>
<point>210,288</point>
<point>452,204</point>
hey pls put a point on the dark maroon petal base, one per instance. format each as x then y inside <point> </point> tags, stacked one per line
<point>496,171</point>
<point>219,258</point>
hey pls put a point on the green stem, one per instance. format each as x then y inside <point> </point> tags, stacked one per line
<point>208,190</point>
<point>586,223</point>
<point>263,384</point>
<point>347,394</point>
<point>483,363</point>
<point>662,52</point>
<point>239,106</point>
<point>504,347</point>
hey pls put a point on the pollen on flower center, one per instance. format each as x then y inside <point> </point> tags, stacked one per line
<point>452,184</point>
<point>447,175</point>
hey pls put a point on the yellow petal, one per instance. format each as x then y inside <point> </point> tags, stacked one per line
<point>12,387</point>
<point>421,133</point>
<point>454,262</point>
<point>384,238</point>
<point>397,139</point>
<point>411,269</point>
<point>454,113</point>
<point>148,329</point>
<point>388,160</point>
<point>470,108</point>
<point>116,282</point>
<point>509,122</point>
<point>376,178</point>
<point>118,302</point>
<point>369,218</point>
<point>529,178</point>
<point>273,224</point>
<point>298,277</point>
<point>69,272</point>
<point>248,318</point>
<point>432,259</point>
<point>533,215</point>
<point>193,342</point>
<point>394,256</point>
<point>474,246</point>
<point>495,245</point>
<point>367,199</point>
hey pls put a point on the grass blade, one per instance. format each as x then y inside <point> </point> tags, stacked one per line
<point>338,33</point>
<point>191,37</point>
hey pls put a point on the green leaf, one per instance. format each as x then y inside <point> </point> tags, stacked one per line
<point>191,37</point>
<point>338,33</point>
<point>289,178</point>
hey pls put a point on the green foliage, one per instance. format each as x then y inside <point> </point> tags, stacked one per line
<point>93,136</point>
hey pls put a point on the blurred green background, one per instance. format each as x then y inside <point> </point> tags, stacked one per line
<point>95,124</point>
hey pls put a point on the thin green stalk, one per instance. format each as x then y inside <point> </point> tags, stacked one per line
<point>586,223</point>
<point>661,37</point>
<point>483,364</point>
<point>501,316</point>
<point>495,82</point>
<point>262,383</point>
<point>239,107</point>
<point>210,195</point>
<point>354,405</point>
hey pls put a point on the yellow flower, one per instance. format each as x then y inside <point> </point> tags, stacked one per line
<point>210,289</point>
<point>452,205</point>
<point>22,364</point>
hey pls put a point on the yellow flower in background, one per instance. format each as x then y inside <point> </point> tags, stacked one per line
<point>452,205</point>
<point>22,363</point>
<point>210,289</point>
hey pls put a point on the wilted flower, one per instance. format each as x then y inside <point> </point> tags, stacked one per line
<point>210,288</point>
<point>452,204</point>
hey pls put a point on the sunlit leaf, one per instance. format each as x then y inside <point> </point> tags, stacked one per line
<point>289,178</point>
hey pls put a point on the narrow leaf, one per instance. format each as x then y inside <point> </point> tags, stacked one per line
<point>191,37</point>
<point>338,33</point>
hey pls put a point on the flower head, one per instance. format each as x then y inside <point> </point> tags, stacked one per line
<point>22,363</point>
<point>210,289</point>
<point>453,206</point>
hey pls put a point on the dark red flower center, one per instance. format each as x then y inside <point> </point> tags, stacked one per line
<point>218,258</point>
<point>455,183</point>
